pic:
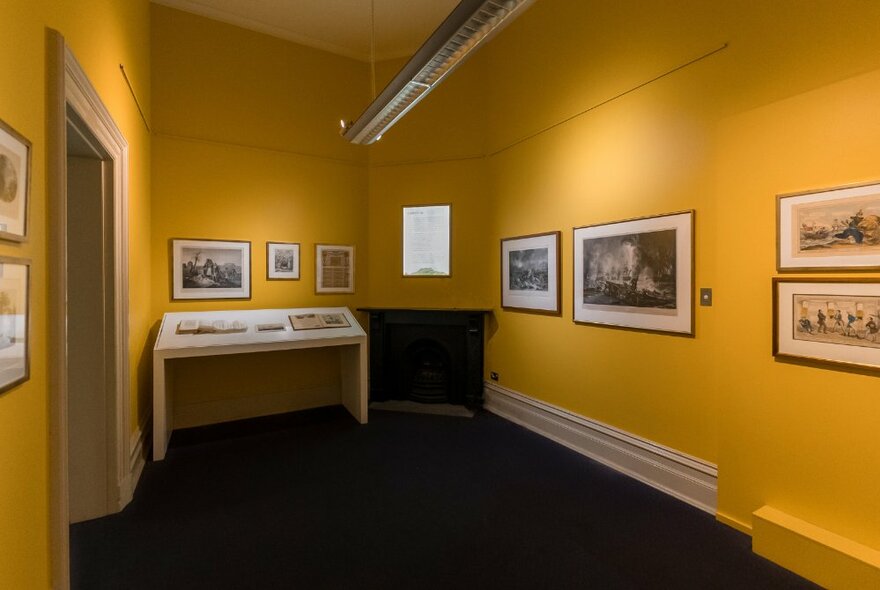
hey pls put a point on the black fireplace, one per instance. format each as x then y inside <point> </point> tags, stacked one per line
<point>427,355</point>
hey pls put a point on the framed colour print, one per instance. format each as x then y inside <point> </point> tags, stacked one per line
<point>530,273</point>
<point>282,261</point>
<point>14,322</point>
<point>15,181</point>
<point>833,229</point>
<point>426,240</point>
<point>210,269</point>
<point>334,268</point>
<point>636,273</point>
<point>828,320</point>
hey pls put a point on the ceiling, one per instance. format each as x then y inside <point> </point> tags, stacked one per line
<point>338,26</point>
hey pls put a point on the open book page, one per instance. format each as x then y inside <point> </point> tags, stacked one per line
<point>315,321</point>
<point>214,327</point>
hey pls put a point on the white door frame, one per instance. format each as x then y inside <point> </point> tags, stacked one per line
<point>70,87</point>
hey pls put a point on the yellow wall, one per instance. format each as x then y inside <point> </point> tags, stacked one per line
<point>102,35</point>
<point>721,136</point>
<point>246,148</point>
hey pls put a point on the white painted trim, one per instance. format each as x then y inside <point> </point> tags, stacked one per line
<point>70,86</point>
<point>682,476</point>
<point>139,445</point>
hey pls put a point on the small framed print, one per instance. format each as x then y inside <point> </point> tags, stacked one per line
<point>14,322</point>
<point>15,181</point>
<point>831,229</point>
<point>530,273</point>
<point>282,261</point>
<point>426,240</point>
<point>334,268</point>
<point>637,273</point>
<point>827,320</point>
<point>210,269</point>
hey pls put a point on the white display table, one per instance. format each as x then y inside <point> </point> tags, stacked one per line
<point>171,345</point>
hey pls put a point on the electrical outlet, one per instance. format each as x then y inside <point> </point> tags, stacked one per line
<point>706,297</point>
<point>493,375</point>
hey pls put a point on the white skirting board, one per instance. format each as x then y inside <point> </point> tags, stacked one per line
<point>687,478</point>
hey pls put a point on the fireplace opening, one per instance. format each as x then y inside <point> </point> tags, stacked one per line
<point>427,373</point>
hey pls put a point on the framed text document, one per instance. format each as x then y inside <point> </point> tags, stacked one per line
<point>426,239</point>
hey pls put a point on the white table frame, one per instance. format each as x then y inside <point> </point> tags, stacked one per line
<point>170,345</point>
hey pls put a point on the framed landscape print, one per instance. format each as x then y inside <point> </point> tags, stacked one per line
<point>827,320</point>
<point>282,261</point>
<point>14,321</point>
<point>636,273</point>
<point>15,180</point>
<point>334,268</point>
<point>530,273</point>
<point>426,240</point>
<point>210,269</point>
<point>834,229</point>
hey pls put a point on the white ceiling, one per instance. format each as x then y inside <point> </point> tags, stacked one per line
<point>339,26</point>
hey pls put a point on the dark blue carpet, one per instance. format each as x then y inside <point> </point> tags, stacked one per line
<point>314,500</point>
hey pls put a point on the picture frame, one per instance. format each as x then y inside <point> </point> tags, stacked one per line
<point>427,241</point>
<point>829,229</point>
<point>530,278</point>
<point>827,320</point>
<point>210,269</point>
<point>282,261</point>
<point>636,273</point>
<point>15,183</point>
<point>14,322</point>
<point>334,268</point>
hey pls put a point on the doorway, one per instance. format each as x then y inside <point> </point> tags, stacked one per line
<point>90,434</point>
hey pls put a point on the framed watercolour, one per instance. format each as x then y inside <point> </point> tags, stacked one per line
<point>636,273</point>
<point>14,321</point>
<point>833,229</point>
<point>15,180</point>
<point>282,261</point>
<point>828,320</point>
<point>530,273</point>
<point>334,268</point>
<point>426,240</point>
<point>210,269</point>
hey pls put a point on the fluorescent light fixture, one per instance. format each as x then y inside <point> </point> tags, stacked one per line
<point>469,26</point>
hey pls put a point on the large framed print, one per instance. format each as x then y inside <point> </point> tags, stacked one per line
<point>426,240</point>
<point>210,269</point>
<point>828,320</point>
<point>334,268</point>
<point>14,322</point>
<point>15,181</point>
<point>530,273</point>
<point>832,229</point>
<point>636,273</point>
<point>282,261</point>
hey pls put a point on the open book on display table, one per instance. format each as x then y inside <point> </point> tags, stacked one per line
<point>210,327</point>
<point>316,321</point>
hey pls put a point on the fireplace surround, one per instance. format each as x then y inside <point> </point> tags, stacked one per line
<point>426,355</point>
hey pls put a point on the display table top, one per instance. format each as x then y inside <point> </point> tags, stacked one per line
<point>169,339</point>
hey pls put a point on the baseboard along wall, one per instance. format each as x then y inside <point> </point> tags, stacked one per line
<point>687,478</point>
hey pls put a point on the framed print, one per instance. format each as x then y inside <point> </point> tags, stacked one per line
<point>636,273</point>
<point>828,320</point>
<point>15,181</point>
<point>833,229</point>
<point>210,269</point>
<point>282,261</point>
<point>334,269</point>
<point>530,273</point>
<point>426,240</point>
<point>14,321</point>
